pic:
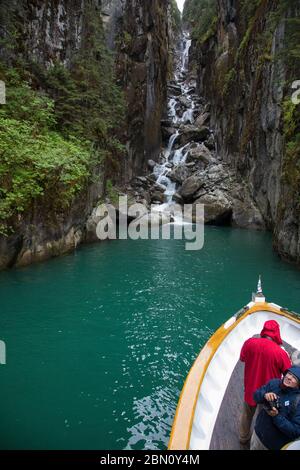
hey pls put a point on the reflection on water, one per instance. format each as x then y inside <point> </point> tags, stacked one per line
<point>99,342</point>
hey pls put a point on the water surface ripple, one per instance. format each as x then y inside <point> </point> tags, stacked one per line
<point>99,342</point>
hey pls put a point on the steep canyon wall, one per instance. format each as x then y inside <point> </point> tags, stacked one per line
<point>244,71</point>
<point>53,35</point>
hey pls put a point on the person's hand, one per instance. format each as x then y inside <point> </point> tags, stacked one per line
<point>273,412</point>
<point>270,396</point>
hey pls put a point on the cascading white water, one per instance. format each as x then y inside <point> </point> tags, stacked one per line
<point>167,152</point>
<point>179,155</point>
<point>172,111</point>
<point>188,115</point>
<point>173,158</point>
<point>185,56</point>
<point>162,170</point>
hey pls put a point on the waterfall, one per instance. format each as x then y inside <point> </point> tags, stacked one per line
<point>172,111</point>
<point>171,144</point>
<point>170,157</point>
<point>185,55</point>
<point>179,155</point>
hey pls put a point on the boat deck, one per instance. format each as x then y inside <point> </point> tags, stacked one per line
<point>230,410</point>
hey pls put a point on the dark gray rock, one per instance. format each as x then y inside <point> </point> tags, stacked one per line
<point>217,208</point>
<point>200,153</point>
<point>184,102</point>
<point>180,173</point>
<point>189,133</point>
<point>142,179</point>
<point>202,119</point>
<point>177,198</point>
<point>246,215</point>
<point>174,90</point>
<point>167,132</point>
<point>210,142</point>
<point>190,187</point>
<point>157,196</point>
<point>151,164</point>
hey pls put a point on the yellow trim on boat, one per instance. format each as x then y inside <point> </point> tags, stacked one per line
<point>183,421</point>
<point>290,445</point>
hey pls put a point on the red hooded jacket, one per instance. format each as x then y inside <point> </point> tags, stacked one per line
<point>264,359</point>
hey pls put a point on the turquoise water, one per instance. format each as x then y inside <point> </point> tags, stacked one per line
<point>99,342</point>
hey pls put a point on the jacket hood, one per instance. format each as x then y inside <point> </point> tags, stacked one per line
<point>271,329</point>
<point>295,370</point>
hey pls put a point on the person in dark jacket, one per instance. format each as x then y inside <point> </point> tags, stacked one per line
<point>264,360</point>
<point>279,420</point>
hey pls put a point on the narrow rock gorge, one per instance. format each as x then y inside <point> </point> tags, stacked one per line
<point>236,151</point>
<point>244,56</point>
<point>191,170</point>
<point>139,32</point>
<point>95,73</point>
<point>123,97</point>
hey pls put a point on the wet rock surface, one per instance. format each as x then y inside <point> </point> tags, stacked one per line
<point>246,92</point>
<point>51,32</point>
<point>190,170</point>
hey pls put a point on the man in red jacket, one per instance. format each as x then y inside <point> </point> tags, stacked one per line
<point>264,360</point>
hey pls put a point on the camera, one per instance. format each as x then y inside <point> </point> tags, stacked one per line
<point>269,405</point>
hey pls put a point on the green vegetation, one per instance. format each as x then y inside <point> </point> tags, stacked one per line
<point>291,167</point>
<point>111,192</point>
<point>290,55</point>
<point>261,40</point>
<point>230,77</point>
<point>127,39</point>
<point>176,15</point>
<point>58,123</point>
<point>35,160</point>
<point>274,14</point>
<point>201,15</point>
<point>258,20</point>
<point>87,100</point>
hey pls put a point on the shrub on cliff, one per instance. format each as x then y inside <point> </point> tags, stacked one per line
<point>35,160</point>
<point>88,102</point>
<point>59,121</point>
<point>175,15</point>
<point>291,162</point>
<point>200,16</point>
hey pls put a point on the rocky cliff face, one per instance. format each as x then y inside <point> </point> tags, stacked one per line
<point>47,33</point>
<point>50,33</point>
<point>241,71</point>
<point>139,33</point>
